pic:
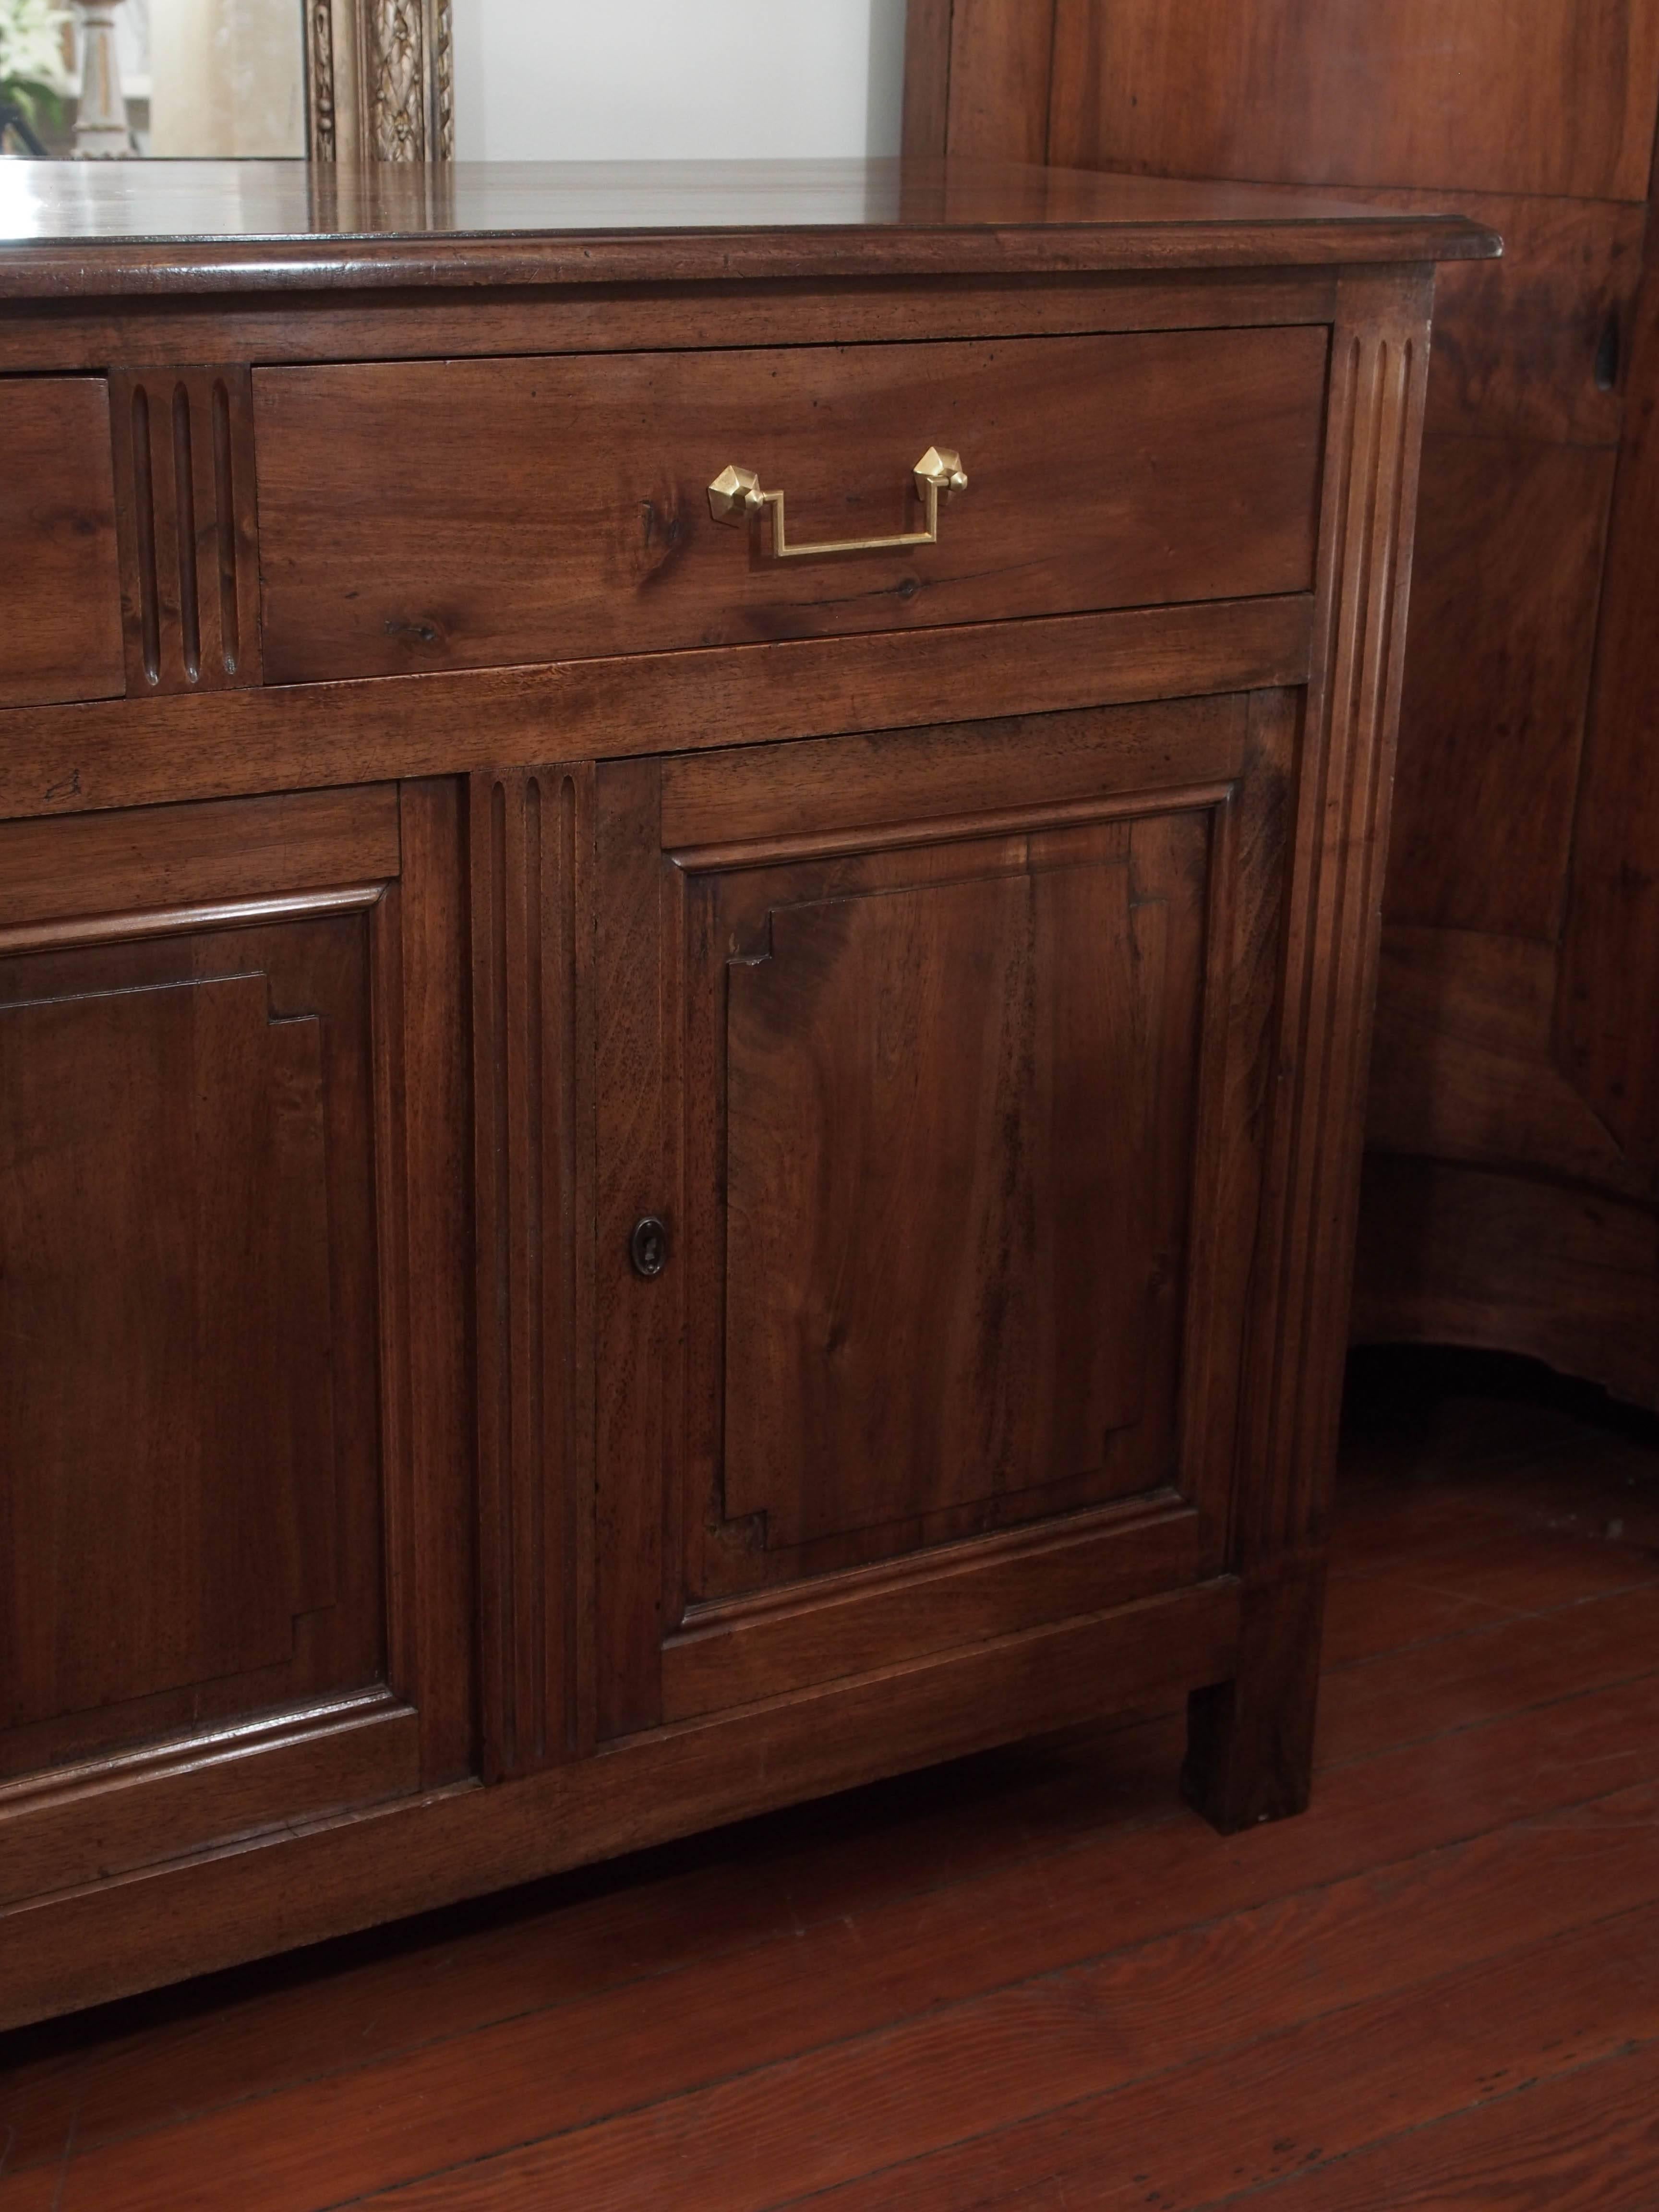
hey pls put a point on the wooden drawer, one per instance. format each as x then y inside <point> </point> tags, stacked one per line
<point>59,585</point>
<point>468,514</point>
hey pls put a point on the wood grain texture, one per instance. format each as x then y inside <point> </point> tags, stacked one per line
<point>1450,97</point>
<point>569,2009</point>
<point>60,760</point>
<point>189,531</point>
<point>427,1257</point>
<point>159,858</point>
<point>81,1824</point>
<point>955,1152</point>
<point>1522,344</point>
<point>1000,72</point>
<point>496,540</point>
<point>637,1326</point>
<point>1471,1256</point>
<point>223,227</point>
<point>1251,1747</point>
<point>58,572</point>
<point>585,319</point>
<point>131,1933</point>
<point>1465,1069</point>
<point>1610,967</point>
<point>530,835</point>
<point>198,1534</point>
<point>734,1652</point>
<point>1504,627</point>
<point>943,889</point>
<point>925,127</point>
<point>1519,816</point>
<point>935,1444</point>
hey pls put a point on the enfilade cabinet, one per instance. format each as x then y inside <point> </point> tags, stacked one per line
<point>689,866</point>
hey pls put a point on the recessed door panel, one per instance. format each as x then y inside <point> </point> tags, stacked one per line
<point>188,1325</point>
<point>958,1104</point>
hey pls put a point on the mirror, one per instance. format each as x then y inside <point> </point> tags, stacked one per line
<point>122,79</point>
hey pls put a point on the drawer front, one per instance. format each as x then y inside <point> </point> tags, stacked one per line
<point>472,513</point>
<point>60,586</point>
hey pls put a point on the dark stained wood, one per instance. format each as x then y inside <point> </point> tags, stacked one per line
<point>1028,835</point>
<point>1000,69</point>
<point>229,228</point>
<point>1420,93</point>
<point>809,793</point>
<point>651,318</point>
<point>531,834</point>
<point>190,553</point>
<point>1519,344</point>
<point>1515,822</point>
<point>58,578</point>
<point>1252,1742</point>
<point>59,762</point>
<point>425,1248</point>
<point>1503,627</point>
<point>161,858</point>
<point>1463,1255</point>
<point>926,77</point>
<point>1103,472</point>
<point>1465,1065</point>
<point>1430,1854</point>
<point>1016,932</point>
<point>1610,967</point>
<point>636,1334</point>
<point>958,1151</point>
<point>105,1816</point>
<point>731,1652</point>
<point>371,1865</point>
<point>197,1536</point>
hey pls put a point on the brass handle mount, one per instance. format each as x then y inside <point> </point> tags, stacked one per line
<point>735,497</point>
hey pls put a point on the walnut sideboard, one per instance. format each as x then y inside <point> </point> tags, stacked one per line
<point>660,1152</point>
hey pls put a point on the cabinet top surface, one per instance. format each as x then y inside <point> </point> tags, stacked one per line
<point>145,227</point>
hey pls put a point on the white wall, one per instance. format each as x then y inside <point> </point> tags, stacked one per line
<point>676,80</point>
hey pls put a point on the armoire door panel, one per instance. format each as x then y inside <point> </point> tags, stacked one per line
<point>1608,1007</point>
<point>957,1113</point>
<point>1466,1067</point>
<point>1532,345</point>
<point>1504,595</point>
<point>188,1313</point>
<point>1449,93</point>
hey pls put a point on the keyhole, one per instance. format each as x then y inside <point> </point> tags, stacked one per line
<point>647,1248</point>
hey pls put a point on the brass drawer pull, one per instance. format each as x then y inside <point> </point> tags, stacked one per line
<point>735,496</point>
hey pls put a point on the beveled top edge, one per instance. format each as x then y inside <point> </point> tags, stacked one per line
<point>70,228</point>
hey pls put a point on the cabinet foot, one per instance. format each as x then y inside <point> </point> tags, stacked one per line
<point>1249,1741</point>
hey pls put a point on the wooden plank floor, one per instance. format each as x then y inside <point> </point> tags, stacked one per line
<point>1031,1981</point>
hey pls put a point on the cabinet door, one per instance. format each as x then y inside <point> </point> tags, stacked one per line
<point>939,1057</point>
<point>224,1597</point>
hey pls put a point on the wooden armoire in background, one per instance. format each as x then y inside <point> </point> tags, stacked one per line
<point>1513,1134</point>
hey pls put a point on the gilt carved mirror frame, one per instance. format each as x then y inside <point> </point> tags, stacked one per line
<point>380,81</point>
